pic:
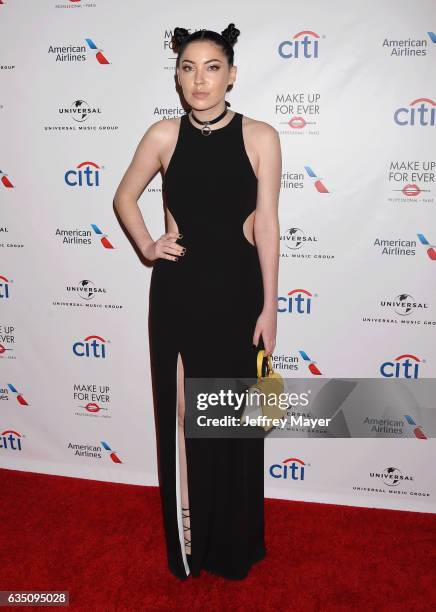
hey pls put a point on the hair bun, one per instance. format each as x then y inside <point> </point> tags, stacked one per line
<point>231,33</point>
<point>179,35</point>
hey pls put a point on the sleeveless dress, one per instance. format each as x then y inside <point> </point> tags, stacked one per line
<point>205,306</point>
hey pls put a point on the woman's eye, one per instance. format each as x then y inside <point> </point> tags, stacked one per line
<point>189,67</point>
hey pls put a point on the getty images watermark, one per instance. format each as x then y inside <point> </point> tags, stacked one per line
<point>307,407</point>
<point>249,402</point>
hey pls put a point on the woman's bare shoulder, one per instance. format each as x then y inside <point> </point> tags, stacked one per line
<point>164,129</point>
<point>258,128</point>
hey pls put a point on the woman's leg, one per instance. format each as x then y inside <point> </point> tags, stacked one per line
<point>182,455</point>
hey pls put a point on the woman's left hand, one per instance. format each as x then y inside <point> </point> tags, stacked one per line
<point>266,326</point>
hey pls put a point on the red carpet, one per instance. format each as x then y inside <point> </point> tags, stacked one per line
<point>104,543</point>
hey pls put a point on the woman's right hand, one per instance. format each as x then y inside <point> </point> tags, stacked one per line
<point>165,247</point>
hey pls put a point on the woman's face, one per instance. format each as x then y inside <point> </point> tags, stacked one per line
<point>204,68</point>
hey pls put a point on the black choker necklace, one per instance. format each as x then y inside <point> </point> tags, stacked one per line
<point>205,130</point>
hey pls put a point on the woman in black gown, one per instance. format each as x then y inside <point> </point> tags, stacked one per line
<point>213,300</point>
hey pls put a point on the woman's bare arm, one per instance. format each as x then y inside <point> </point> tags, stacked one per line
<point>266,221</point>
<point>144,165</point>
<point>267,231</point>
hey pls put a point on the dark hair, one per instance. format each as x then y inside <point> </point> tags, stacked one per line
<point>225,40</point>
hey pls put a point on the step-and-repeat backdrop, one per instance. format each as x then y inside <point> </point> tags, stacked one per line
<point>351,91</point>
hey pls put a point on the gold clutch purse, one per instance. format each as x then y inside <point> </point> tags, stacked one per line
<point>264,400</point>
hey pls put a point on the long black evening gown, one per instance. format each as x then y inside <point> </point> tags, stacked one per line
<point>204,306</point>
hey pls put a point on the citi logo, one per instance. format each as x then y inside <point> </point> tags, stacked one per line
<point>311,364</point>
<point>86,174</point>
<point>297,301</point>
<point>302,45</point>
<point>5,181</point>
<point>288,469</point>
<point>419,112</point>
<point>91,346</point>
<point>11,440</point>
<point>4,287</point>
<point>403,366</point>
